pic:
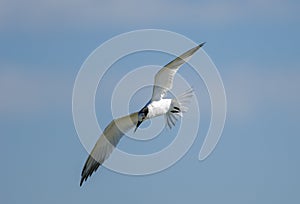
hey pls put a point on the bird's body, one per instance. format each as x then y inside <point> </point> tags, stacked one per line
<point>157,108</point>
<point>172,109</point>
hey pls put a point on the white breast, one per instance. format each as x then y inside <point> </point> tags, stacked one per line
<point>157,108</point>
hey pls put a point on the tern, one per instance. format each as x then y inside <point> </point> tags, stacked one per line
<point>172,109</point>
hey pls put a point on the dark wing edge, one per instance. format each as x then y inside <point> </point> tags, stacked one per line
<point>163,80</point>
<point>90,166</point>
<point>106,144</point>
<point>174,64</point>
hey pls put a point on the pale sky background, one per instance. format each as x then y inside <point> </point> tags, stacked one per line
<point>254,44</point>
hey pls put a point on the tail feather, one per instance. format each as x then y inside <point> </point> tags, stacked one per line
<point>185,99</point>
<point>178,106</point>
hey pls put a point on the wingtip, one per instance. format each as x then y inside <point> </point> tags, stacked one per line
<point>201,44</point>
<point>81,181</point>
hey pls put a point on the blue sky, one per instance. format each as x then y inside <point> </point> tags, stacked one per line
<point>254,44</point>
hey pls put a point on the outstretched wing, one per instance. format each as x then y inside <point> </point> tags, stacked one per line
<point>107,142</point>
<point>164,78</point>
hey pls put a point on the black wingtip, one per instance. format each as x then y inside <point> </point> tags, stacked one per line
<point>202,44</point>
<point>81,181</point>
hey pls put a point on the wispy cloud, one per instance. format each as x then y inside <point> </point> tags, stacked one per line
<point>66,13</point>
<point>32,91</point>
<point>251,90</point>
<point>248,90</point>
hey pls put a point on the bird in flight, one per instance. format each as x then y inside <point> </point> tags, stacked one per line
<point>172,109</point>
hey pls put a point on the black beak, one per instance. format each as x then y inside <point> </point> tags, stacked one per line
<point>137,125</point>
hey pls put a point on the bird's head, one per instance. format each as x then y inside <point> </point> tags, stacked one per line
<point>142,114</point>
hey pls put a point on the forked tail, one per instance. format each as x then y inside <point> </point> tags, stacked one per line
<point>178,106</point>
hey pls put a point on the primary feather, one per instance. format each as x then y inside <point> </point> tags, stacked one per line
<point>106,143</point>
<point>163,81</point>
